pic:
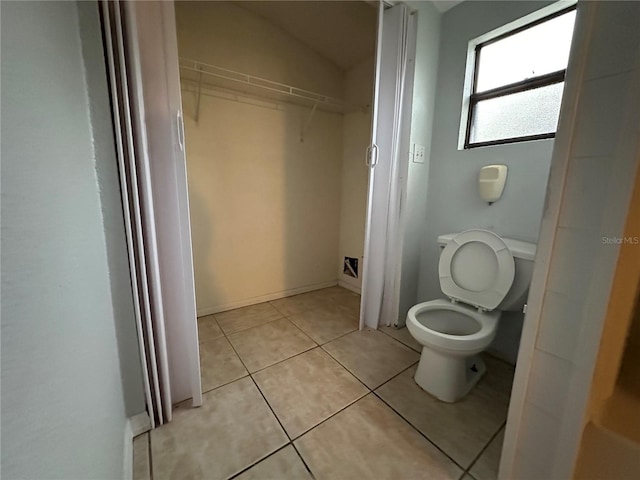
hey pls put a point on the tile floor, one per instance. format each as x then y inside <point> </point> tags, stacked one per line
<point>292,390</point>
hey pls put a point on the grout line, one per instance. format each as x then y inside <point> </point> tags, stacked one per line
<point>317,345</point>
<point>484,449</point>
<point>369,391</point>
<point>284,359</point>
<point>342,334</point>
<point>333,414</point>
<point>339,363</point>
<point>249,328</point>
<point>298,354</point>
<point>397,340</point>
<point>226,383</point>
<point>275,416</point>
<point>277,309</point>
<point>302,331</point>
<point>397,374</point>
<point>248,373</point>
<point>419,432</point>
<point>352,373</point>
<point>272,412</point>
<point>249,467</point>
<point>302,460</point>
<point>330,416</point>
<point>263,397</point>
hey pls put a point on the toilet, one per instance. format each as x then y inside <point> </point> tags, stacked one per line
<point>483,275</point>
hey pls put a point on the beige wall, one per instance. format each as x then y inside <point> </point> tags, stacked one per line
<point>225,34</point>
<point>265,207</point>
<point>355,176</point>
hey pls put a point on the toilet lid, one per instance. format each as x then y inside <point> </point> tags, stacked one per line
<point>476,267</point>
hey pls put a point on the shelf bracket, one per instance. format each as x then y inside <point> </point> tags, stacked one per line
<point>307,123</point>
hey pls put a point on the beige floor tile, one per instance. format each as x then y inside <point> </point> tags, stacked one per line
<point>371,356</point>
<point>219,364</point>
<point>297,304</point>
<point>208,329</point>
<point>486,467</point>
<point>324,324</point>
<point>246,317</point>
<point>368,440</point>
<point>307,389</point>
<point>339,297</point>
<point>141,461</point>
<point>233,429</point>
<point>460,429</point>
<point>267,344</point>
<point>285,464</point>
<point>403,335</point>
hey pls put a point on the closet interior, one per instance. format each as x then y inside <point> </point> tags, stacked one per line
<point>277,114</point>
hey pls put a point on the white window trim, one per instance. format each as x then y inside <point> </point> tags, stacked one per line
<point>471,55</point>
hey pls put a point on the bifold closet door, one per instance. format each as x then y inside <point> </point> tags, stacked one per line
<point>388,158</point>
<point>141,49</point>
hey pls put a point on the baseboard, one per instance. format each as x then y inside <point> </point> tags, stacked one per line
<point>349,286</point>
<point>264,298</point>
<point>140,423</point>
<point>127,455</point>
<point>134,426</point>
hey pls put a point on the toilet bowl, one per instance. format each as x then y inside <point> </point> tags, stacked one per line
<point>477,272</point>
<point>452,336</point>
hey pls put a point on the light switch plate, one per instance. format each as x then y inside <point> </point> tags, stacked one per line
<point>418,153</point>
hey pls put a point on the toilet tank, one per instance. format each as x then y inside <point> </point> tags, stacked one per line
<point>523,255</point>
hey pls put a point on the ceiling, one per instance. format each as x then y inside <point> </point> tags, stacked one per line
<point>344,32</point>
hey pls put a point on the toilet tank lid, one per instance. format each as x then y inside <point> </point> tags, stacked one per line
<point>518,248</point>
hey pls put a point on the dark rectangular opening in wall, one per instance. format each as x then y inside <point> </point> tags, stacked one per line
<point>350,267</point>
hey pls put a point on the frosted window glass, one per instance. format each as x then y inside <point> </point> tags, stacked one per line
<point>531,112</point>
<point>535,51</point>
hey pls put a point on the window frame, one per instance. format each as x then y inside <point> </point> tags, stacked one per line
<point>511,88</point>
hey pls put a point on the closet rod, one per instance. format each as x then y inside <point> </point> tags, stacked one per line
<point>260,83</point>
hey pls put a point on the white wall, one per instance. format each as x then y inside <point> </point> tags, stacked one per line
<point>265,207</point>
<point>355,175</point>
<point>422,118</point>
<point>593,170</point>
<point>453,204</point>
<point>63,413</point>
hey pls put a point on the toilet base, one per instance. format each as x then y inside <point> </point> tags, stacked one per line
<point>448,377</point>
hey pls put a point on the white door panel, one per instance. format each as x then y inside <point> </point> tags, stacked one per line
<point>387,177</point>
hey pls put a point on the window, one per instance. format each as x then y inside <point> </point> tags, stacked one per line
<point>518,81</point>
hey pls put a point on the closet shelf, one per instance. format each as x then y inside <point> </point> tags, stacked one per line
<point>204,76</point>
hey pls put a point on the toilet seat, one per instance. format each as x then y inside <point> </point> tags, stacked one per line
<point>477,268</point>
<point>423,320</point>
